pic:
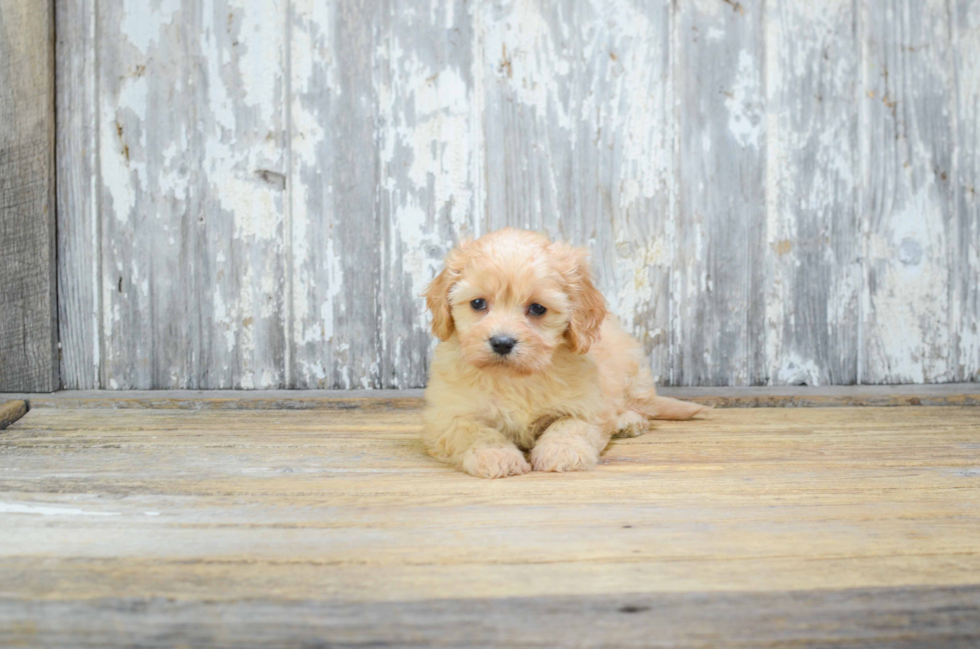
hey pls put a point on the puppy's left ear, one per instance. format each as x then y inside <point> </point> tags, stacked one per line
<point>588,307</point>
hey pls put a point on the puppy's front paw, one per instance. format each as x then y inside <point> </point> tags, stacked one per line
<point>563,456</point>
<point>630,424</point>
<point>484,462</point>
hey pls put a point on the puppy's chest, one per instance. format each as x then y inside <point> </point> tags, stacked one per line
<point>521,414</point>
<point>523,408</point>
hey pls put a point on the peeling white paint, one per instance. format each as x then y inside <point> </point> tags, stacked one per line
<point>589,90</point>
<point>794,370</point>
<point>261,28</point>
<point>911,306</point>
<point>143,22</point>
<point>745,119</point>
<point>525,56</point>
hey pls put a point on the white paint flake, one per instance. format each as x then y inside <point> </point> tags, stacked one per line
<point>746,121</point>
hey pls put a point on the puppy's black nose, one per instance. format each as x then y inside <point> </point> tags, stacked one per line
<point>502,344</point>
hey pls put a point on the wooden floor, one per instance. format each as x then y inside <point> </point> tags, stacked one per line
<point>767,526</point>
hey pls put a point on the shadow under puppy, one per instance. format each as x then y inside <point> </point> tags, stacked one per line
<point>530,360</point>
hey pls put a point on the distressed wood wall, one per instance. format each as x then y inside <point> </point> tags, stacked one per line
<point>253,193</point>
<point>28,326</point>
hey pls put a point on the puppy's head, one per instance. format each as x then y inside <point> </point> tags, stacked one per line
<point>513,297</point>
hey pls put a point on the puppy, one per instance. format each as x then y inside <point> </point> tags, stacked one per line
<point>530,360</point>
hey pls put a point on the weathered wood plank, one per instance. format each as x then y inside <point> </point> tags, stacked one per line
<point>28,293</point>
<point>578,112</point>
<point>813,235</point>
<point>718,276</point>
<point>946,394</point>
<point>429,136</point>
<point>965,243</point>
<point>335,175</point>
<point>856,617</point>
<point>385,152</point>
<point>191,150</point>
<point>79,239</point>
<point>907,202</point>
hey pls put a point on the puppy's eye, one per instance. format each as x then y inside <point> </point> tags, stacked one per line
<point>536,309</point>
<point>479,304</point>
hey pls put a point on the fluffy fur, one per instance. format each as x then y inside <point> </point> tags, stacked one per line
<point>573,380</point>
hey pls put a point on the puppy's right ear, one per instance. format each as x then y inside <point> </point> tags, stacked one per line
<point>437,295</point>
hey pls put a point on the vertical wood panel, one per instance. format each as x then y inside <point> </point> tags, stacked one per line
<point>79,275</point>
<point>813,236</point>
<point>429,135</point>
<point>28,298</point>
<point>718,289</point>
<point>965,257</point>
<point>336,231</point>
<point>908,194</point>
<point>191,146</point>
<point>580,142</point>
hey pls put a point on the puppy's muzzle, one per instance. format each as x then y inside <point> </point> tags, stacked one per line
<point>502,345</point>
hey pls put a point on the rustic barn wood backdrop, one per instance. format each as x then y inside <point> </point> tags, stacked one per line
<point>253,193</point>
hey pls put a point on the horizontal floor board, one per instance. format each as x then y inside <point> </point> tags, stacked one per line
<point>945,394</point>
<point>896,617</point>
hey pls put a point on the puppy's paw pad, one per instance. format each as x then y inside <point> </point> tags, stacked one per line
<point>631,424</point>
<point>495,462</point>
<point>563,457</point>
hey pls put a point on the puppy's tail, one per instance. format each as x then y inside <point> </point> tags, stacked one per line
<point>655,407</point>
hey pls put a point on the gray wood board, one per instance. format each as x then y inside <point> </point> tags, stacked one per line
<point>907,202</point>
<point>813,241</point>
<point>965,244</point>
<point>192,150</point>
<point>253,195</point>
<point>961,394</point>
<point>896,617</point>
<point>718,325</point>
<point>78,175</point>
<point>28,302</point>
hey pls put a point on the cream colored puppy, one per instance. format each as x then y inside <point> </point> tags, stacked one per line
<point>530,360</point>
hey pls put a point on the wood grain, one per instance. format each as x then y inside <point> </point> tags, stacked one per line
<point>813,235</point>
<point>719,323</point>
<point>78,173</point>
<point>335,179</point>
<point>429,135</point>
<point>191,149</point>
<point>946,394</point>
<point>385,148</point>
<point>28,290</point>
<point>867,617</point>
<point>907,200</point>
<point>852,523</point>
<point>965,243</point>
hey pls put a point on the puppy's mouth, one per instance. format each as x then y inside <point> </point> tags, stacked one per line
<point>506,354</point>
<point>506,365</point>
<point>511,360</point>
